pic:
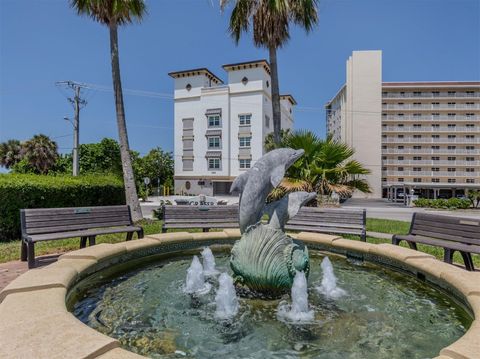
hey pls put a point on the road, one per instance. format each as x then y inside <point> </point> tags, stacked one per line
<point>375,208</point>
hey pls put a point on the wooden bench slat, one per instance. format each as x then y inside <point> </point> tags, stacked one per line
<point>73,227</point>
<point>300,222</point>
<point>442,243</point>
<point>74,234</point>
<point>202,225</point>
<point>324,229</point>
<point>81,220</point>
<point>73,210</point>
<point>33,219</point>
<point>440,227</point>
<point>212,220</point>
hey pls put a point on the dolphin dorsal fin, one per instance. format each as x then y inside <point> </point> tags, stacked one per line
<point>277,175</point>
<point>239,183</point>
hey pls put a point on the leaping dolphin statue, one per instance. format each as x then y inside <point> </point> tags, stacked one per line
<point>255,184</point>
<point>282,210</point>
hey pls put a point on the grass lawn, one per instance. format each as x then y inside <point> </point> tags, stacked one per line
<point>10,251</point>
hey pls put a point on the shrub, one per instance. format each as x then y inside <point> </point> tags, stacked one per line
<point>451,203</point>
<point>19,191</point>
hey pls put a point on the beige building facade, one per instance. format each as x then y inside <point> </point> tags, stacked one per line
<point>420,138</point>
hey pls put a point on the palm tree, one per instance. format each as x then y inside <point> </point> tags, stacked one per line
<point>10,153</point>
<point>40,152</point>
<point>114,13</point>
<point>271,21</point>
<point>325,167</point>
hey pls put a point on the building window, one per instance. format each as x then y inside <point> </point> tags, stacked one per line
<point>435,180</point>
<point>214,121</point>
<point>417,180</point>
<point>214,142</point>
<point>469,169</point>
<point>245,163</point>
<point>470,125</point>
<point>245,119</point>
<point>417,169</point>
<point>401,179</point>
<point>469,158</point>
<point>188,185</point>
<point>399,136</point>
<point>417,158</point>
<point>417,136</point>
<point>267,121</point>
<point>435,136</point>
<point>400,147</point>
<point>435,169</point>
<point>400,158</point>
<point>417,147</point>
<point>452,136</point>
<point>469,148</point>
<point>451,169</point>
<point>214,163</point>
<point>417,125</point>
<point>452,180</point>
<point>470,180</point>
<point>436,93</point>
<point>400,169</point>
<point>451,125</point>
<point>452,158</point>
<point>435,125</point>
<point>435,158</point>
<point>451,147</point>
<point>384,179</point>
<point>469,136</point>
<point>435,147</point>
<point>245,141</point>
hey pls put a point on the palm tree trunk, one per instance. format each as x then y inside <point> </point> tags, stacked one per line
<point>128,177</point>
<point>277,120</point>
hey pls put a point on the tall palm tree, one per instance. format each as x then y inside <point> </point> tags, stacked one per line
<point>271,21</point>
<point>40,152</point>
<point>10,153</point>
<point>115,13</point>
<point>326,166</point>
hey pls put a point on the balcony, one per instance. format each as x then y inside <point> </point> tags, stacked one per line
<point>442,106</point>
<point>430,129</point>
<point>431,140</point>
<point>430,151</point>
<point>431,95</point>
<point>432,174</point>
<point>425,117</point>
<point>439,163</point>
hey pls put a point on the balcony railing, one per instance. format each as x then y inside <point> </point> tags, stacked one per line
<point>431,174</point>
<point>442,106</point>
<point>441,163</point>
<point>431,95</point>
<point>431,140</point>
<point>429,118</point>
<point>430,151</point>
<point>430,129</point>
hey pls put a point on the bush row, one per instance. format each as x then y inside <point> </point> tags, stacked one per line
<point>451,203</point>
<point>19,191</point>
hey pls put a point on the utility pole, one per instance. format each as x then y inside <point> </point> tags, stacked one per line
<point>77,102</point>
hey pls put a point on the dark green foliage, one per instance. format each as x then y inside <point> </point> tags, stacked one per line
<point>102,157</point>
<point>451,203</point>
<point>35,191</point>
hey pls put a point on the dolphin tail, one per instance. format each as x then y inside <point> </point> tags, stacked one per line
<point>239,183</point>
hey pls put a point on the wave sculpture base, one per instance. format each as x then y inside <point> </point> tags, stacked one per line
<point>265,260</point>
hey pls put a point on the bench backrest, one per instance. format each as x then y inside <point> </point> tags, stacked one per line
<point>54,220</point>
<point>200,216</point>
<point>456,229</point>
<point>329,220</point>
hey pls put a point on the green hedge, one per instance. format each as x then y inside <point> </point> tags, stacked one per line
<point>19,191</point>
<point>451,203</point>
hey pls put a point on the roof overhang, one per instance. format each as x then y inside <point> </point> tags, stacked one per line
<point>196,72</point>
<point>248,65</point>
<point>288,97</point>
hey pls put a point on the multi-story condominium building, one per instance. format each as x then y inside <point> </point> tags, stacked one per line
<point>418,138</point>
<point>220,128</point>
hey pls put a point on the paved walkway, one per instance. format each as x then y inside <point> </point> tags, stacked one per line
<point>11,270</point>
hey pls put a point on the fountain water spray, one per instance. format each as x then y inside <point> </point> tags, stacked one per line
<point>298,311</point>
<point>226,298</point>
<point>195,282</point>
<point>208,262</point>
<point>329,286</point>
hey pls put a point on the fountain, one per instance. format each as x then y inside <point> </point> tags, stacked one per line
<point>299,310</point>
<point>329,286</point>
<point>208,263</point>
<point>226,299</point>
<point>265,259</point>
<point>195,282</point>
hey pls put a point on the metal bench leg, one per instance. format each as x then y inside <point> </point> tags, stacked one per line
<point>206,229</point>
<point>140,234</point>
<point>129,236</point>
<point>448,255</point>
<point>23,251</point>
<point>395,240</point>
<point>91,241</point>
<point>83,242</point>
<point>412,245</point>
<point>467,259</point>
<point>164,230</point>
<point>31,255</point>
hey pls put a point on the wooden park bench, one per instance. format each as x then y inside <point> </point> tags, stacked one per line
<point>47,224</point>
<point>204,217</point>
<point>450,233</point>
<point>330,220</point>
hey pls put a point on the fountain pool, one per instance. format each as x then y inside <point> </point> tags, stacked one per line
<point>382,314</point>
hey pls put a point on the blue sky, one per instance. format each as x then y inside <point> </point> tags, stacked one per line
<point>43,41</point>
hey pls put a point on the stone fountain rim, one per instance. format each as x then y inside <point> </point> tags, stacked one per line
<point>35,322</point>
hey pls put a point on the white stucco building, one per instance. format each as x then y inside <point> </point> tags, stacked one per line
<point>220,127</point>
<point>419,137</point>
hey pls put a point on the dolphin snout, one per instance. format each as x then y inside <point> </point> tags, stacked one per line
<point>299,153</point>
